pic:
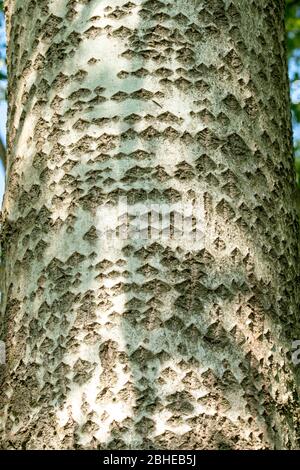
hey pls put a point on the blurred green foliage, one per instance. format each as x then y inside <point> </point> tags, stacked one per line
<point>293,24</point>
<point>293,46</point>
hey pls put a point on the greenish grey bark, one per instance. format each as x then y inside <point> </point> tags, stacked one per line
<point>165,343</point>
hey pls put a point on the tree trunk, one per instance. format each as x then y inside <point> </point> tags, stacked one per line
<point>153,339</point>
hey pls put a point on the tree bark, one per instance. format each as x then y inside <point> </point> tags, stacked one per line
<point>166,342</point>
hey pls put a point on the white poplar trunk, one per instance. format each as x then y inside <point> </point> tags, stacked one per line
<point>172,342</point>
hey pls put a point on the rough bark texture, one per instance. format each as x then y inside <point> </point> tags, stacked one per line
<point>160,343</point>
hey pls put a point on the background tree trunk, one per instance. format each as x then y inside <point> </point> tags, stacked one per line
<point>166,343</point>
<point>2,153</point>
